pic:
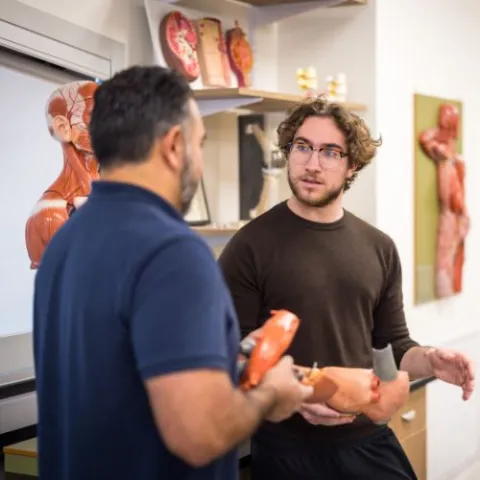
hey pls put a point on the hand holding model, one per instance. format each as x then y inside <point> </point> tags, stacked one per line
<point>333,395</point>
<point>291,394</point>
<point>376,393</point>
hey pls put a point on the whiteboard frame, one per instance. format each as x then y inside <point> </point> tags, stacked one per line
<point>43,36</point>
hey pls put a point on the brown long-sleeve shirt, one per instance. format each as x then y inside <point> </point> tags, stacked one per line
<point>342,279</point>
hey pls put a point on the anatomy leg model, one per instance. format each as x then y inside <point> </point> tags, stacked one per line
<point>394,387</point>
<point>376,393</point>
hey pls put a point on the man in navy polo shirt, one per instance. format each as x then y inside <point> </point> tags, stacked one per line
<point>135,335</point>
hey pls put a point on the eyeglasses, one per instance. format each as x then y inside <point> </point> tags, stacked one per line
<point>328,157</point>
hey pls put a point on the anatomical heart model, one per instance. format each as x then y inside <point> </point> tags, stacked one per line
<point>68,115</point>
<point>179,40</point>
<point>240,55</point>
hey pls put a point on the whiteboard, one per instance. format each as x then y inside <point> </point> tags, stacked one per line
<point>30,161</point>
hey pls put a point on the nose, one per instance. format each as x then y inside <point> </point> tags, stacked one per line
<point>313,166</point>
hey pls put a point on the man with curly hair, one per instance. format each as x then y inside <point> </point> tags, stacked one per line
<point>342,277</point>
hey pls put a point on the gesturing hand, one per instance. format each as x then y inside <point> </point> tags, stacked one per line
<point>453,367</point>
<point>320,414</point>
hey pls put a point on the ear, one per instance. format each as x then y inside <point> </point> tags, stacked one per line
<point>173,148</point>
<point>62,129</point>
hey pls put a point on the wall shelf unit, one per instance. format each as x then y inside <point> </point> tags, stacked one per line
<point>215,100</point>
<point>212,231</point>
<point>269,3</point>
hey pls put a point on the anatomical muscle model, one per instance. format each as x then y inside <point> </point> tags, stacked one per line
<point>68,116</point>
<point>376,393</point>
<point>240,55</point>
<point>439,144</point>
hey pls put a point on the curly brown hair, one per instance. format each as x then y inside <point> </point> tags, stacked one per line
<point>361,147</point>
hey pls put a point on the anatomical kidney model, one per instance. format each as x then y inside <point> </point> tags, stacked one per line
<point>68,116</point>
<point>240,55</point>
<point>212,53</point>
<point>179,40</point>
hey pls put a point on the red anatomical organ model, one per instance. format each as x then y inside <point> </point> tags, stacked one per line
<point>68,116</point>
<point>212,53</point>
<point>264,351</point>
<point>178,39</point>
<point>240,55</point>
<point>439,144</point>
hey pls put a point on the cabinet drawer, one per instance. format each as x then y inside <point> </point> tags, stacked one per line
<point>416,449</point>
<point>411,418</point>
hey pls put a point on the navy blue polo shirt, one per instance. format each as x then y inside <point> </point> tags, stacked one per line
<point>126,291</point>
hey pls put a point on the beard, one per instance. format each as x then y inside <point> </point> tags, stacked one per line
<point>188,184</point>
<point>317,201</point>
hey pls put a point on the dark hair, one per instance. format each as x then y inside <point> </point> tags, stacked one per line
<point>133,109</point>
<point>361,147</point>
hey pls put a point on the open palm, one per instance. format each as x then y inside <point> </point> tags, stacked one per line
<point>453,367</point>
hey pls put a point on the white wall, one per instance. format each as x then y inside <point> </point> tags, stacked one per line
<point>431,47</point>
<point>335,41</point>
<point>389,50</point>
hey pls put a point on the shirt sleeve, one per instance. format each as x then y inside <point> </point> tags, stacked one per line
<point>390,325</point>
<point>237,263</point>
<point>178,318</point>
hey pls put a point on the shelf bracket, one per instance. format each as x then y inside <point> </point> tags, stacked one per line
<point>274,13</point>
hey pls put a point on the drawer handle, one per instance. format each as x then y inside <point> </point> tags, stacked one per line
<point>409,416</point>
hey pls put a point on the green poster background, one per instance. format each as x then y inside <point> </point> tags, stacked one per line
<point>426,197</point>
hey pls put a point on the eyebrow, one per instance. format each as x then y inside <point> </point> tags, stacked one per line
<point>325,145</point>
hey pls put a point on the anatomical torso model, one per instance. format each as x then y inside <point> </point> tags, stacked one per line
<point>68,116</point>
<point>439,144</point>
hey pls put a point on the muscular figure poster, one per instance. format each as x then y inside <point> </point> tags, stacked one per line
<point>441,215</point>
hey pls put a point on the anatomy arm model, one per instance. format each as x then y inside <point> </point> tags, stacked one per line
<point>376,393</point>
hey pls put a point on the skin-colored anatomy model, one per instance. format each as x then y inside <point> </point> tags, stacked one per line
<point>439,144</point>
<point>377,393</point>
<point>68,116</point>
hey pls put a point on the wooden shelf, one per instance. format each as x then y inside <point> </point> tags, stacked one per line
<point>268,3</point>
<point>215,100</point>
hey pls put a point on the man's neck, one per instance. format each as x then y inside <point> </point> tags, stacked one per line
<point>143,178</point>
<point>327,214</point>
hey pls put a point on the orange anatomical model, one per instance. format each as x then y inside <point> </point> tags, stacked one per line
<point>265,349</point>
<point>240,55</point>
<point>376,393</point>
<point>355,388</point>
<point>68,116</point>
<point>439,144</point>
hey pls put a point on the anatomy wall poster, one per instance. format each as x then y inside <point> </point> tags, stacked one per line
<point>441,214</point>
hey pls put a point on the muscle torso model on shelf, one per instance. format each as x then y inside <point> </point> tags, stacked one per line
<point>68,116</point>
<point>439,144</point>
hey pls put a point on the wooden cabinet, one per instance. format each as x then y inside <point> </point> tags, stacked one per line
<point>410,427</point>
